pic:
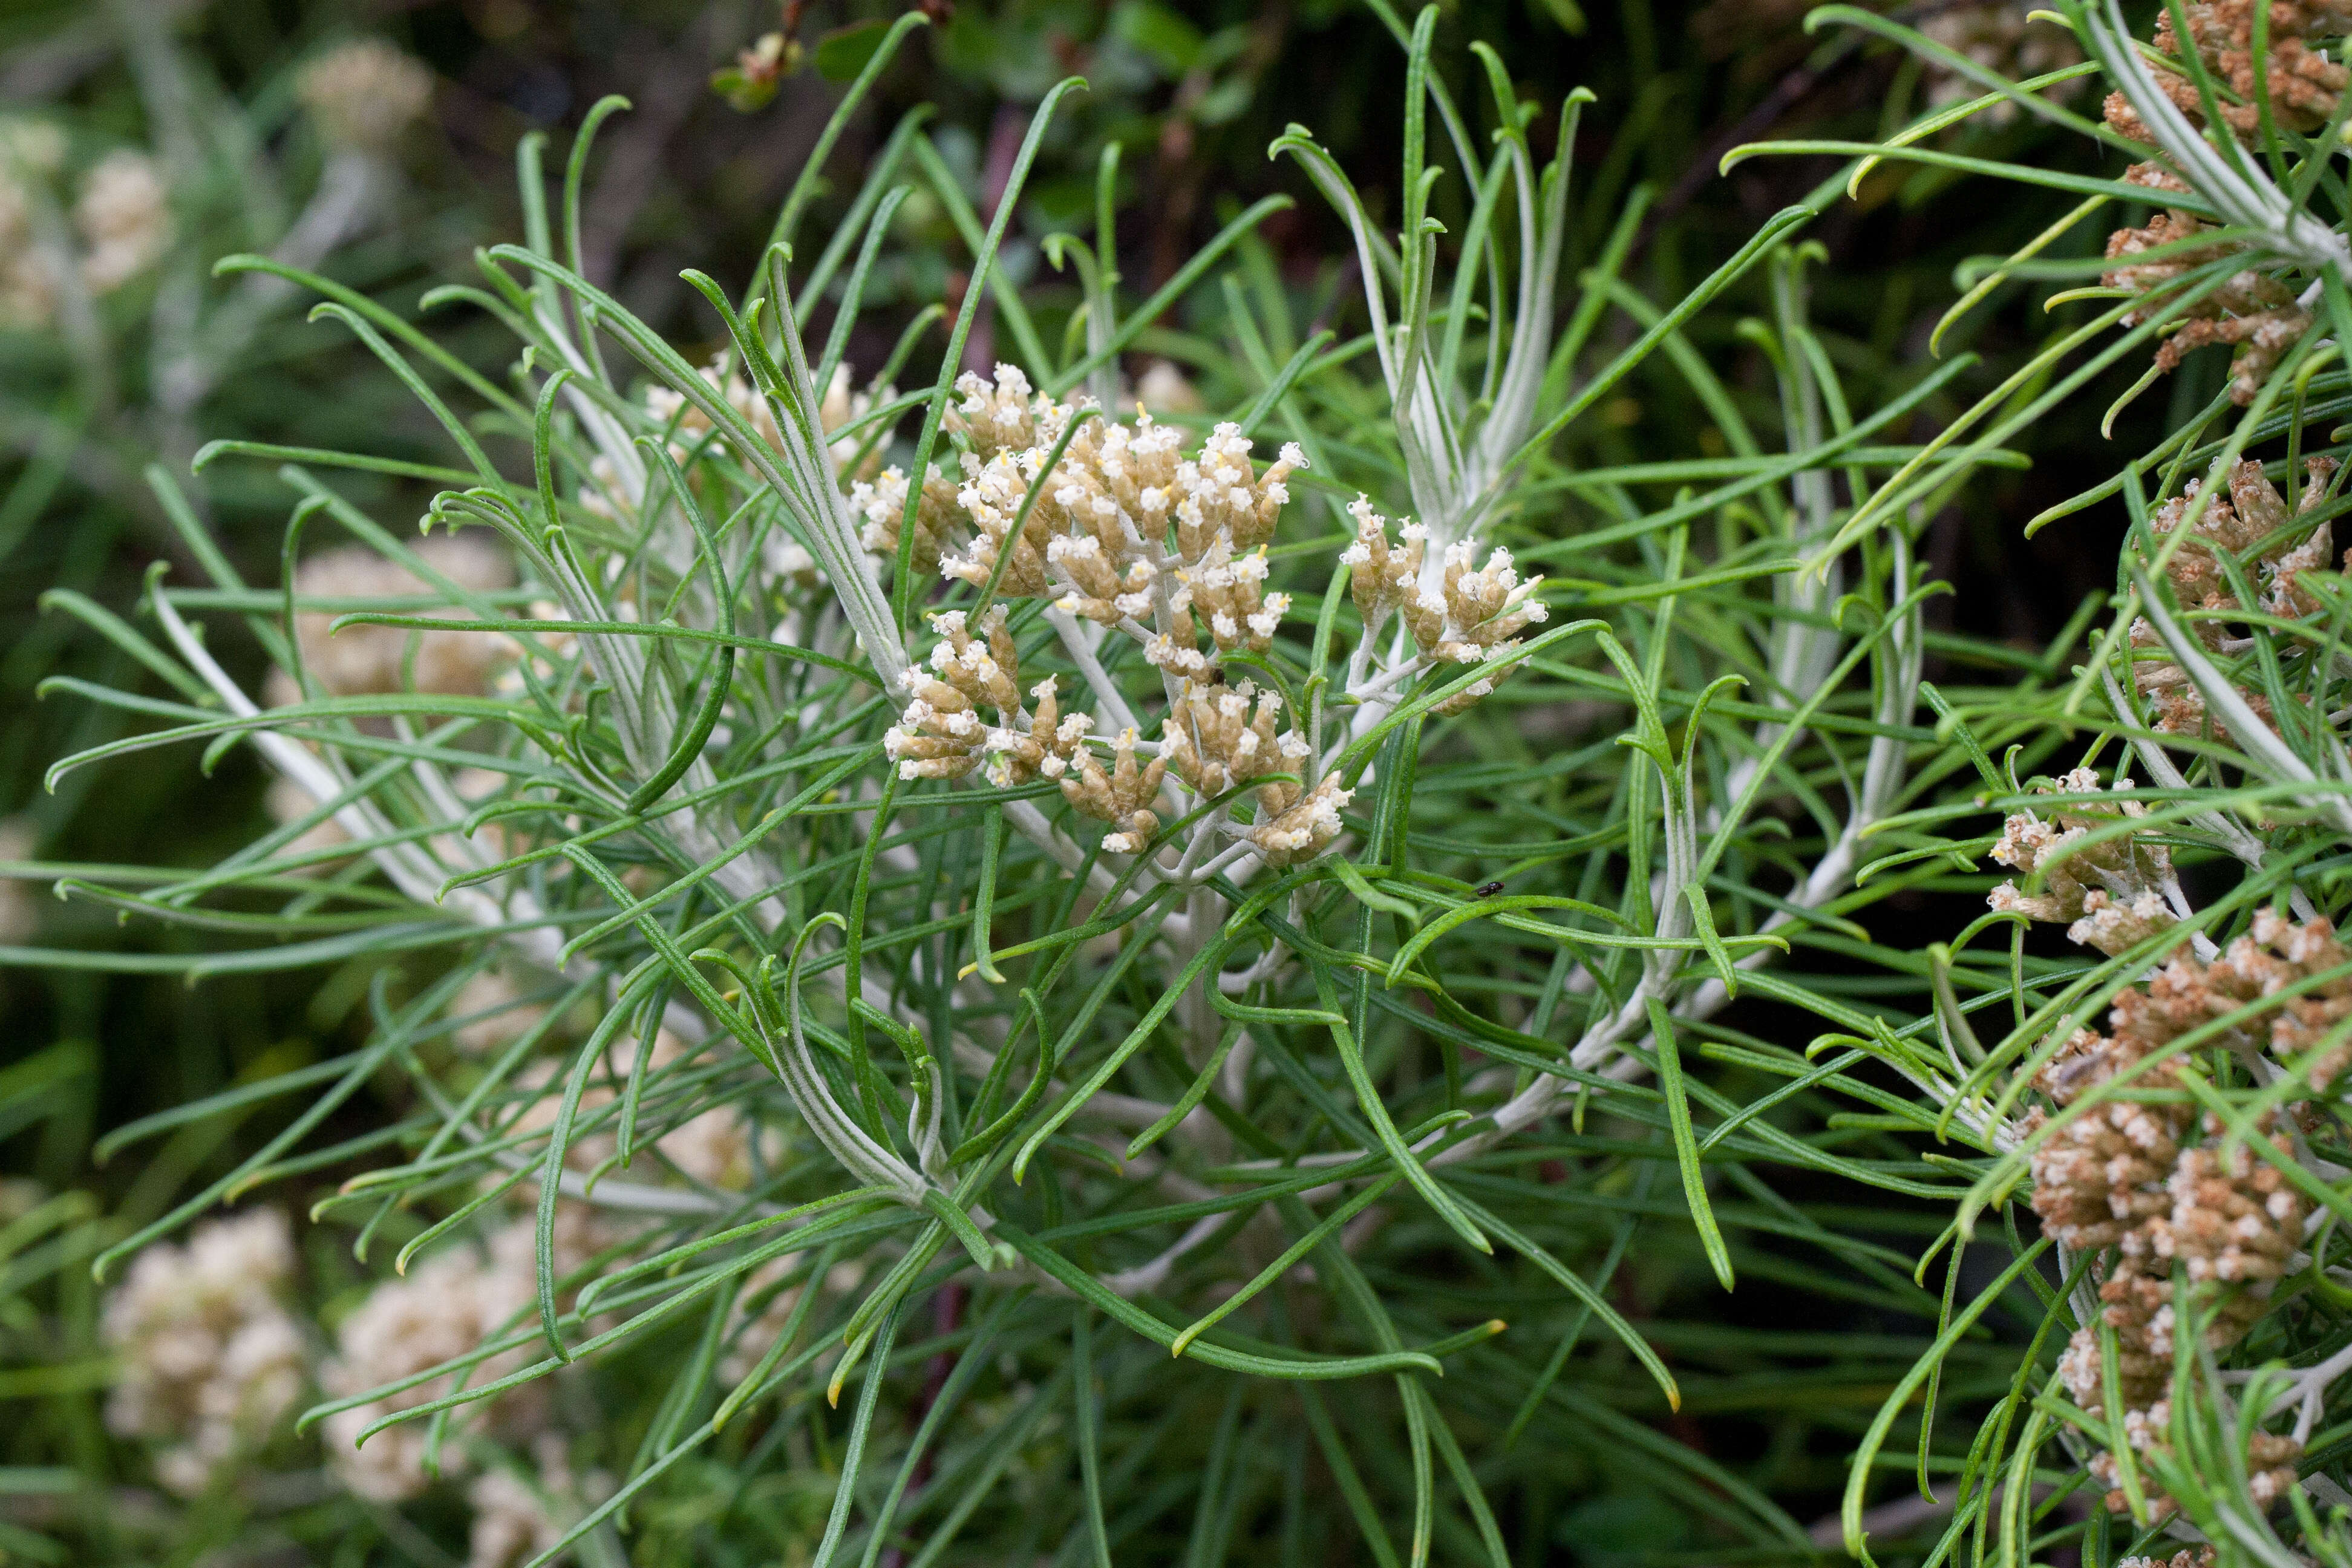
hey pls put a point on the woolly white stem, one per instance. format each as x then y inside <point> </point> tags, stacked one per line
<point>1075,643</point>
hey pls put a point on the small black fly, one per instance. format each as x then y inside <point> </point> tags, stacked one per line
<point>1490,889</point>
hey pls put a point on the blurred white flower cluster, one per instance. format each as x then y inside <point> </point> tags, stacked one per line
<point>2001,36</point>
<point>209,1362</point>
<point>362,660</point>
<point>210,1365</point>
<point>363,94</point>
<point>31,153</point>
<point>120,214</point>
<point>447,1307</point>
<point>517,1516</point>
<point>124,217</point>
<point>115,222</point>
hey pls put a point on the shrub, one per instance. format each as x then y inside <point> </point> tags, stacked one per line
<point>961,970</point>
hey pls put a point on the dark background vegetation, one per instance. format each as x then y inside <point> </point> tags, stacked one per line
<point>1193,92</point>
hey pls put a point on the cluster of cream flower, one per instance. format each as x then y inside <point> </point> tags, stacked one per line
<point>1466,617</point>
<point>125,220</point>
<point>2151,1183</point>
<point>208,1360</point>
<point>365,659</point>
<point>445,1308</point>
<point>2269,547</point>
<point>31,152</point>
<point>363,94</point>
<point>1095,541</point>
<point>514,1521</point>
<point>940,734</point>
<point>1127,531</point>
<point>2113,891</point>
<point>2225,1213</point>
<point>122,214</point>
<point>1131,535</point>
<point>210,1365</point>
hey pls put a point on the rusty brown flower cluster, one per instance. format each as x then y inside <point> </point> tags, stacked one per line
<point>2302,85</point>
<point>2138,1175</point>
<point>2257,314</point>
<point>2270,547</point>
<point>2251,311</point>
